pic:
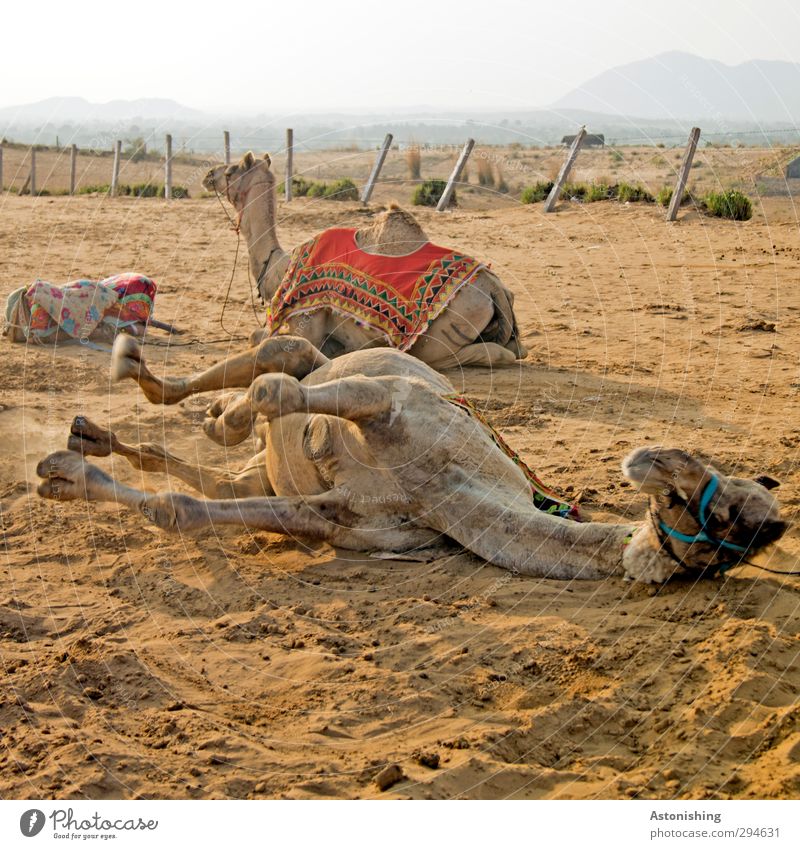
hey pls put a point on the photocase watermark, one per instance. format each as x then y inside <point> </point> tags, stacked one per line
<point>66,826</point>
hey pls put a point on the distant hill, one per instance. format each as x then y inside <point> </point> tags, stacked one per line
<point>78,109</point>
<point>681,85</point>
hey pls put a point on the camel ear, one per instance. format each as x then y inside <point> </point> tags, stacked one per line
<point>268,159</point>
<point>248,160</point>
<point>767,482</point>
<point>659,471</point>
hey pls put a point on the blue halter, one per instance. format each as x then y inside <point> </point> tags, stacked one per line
<point>701,535</point>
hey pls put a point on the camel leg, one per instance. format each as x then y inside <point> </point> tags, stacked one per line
<point>66,476</point>
<point>274,395</point>
<point>488,354</point>
<point>89,439</point>
<point>289,354</point>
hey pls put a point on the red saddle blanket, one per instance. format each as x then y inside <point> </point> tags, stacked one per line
<point>398,296</point>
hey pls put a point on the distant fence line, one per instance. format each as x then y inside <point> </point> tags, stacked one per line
<point>550,203</point>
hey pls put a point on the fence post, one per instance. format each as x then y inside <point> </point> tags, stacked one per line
<point>168,169</point>
<point>287,185</point>
<point>115,172</point>
<point>552,198</point>
<point>1,167</point>
<point>683,174</point>
<point>376,168</point>
<point>444,200</point>
<point>73,162</point>
<point>32,178</point>
<point>226,141</point>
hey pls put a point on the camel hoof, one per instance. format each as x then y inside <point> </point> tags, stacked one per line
<point>89,439</point>
<point>63,476</point>
<point>226,425</point>
<point>276,395</point>
<point>126,356</point>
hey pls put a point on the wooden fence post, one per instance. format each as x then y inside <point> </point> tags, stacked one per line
<point>683,174</point>
<point>115,172</point>
<point>32,178</point>
<point>168,169</point>
<point>226,142</point>
<point>444,200</point>
<point>552,198</point>
<point>376,168</point>
<point>73,163</point>
<point>287,185</point>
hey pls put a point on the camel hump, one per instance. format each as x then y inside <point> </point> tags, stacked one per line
<point>394,231</point>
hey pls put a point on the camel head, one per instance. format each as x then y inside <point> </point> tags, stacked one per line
<point>701,517</point>
<point>236,182</point>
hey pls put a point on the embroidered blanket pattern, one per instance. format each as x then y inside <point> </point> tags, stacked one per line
<point>544,498</point>
<point>398,296</point>
<point>79,307</point>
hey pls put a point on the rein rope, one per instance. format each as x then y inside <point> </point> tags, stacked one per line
<point>236,226</point>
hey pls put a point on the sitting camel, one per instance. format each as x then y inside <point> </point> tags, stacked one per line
<point>368,452</point>
<point>477,327</point>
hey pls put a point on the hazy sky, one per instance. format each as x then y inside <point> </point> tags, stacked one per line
<point>296,55</point>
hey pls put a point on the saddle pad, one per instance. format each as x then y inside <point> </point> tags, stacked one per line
<point>397,296</point>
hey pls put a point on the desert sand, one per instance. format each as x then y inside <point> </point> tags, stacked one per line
<point>235,665</point>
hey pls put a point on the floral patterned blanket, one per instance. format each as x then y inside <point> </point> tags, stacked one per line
<point>78,308</point>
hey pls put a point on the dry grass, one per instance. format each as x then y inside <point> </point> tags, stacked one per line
<point>485,174</point>
<point>413,159</point>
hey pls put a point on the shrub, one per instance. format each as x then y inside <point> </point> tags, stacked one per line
<point>485,175</point>
<point>664,196</point>
<point>537,192</point>
<point>146,190</point>
<point>731,204</point>
<point>574,191</point>
<point>626,193</point>
<point>300,187</point>
<point>500,183</point>
<point>616,156</point>
<point>316,190</point>
<point>341,190</point>
<point>599,191</point>
<point>430,192</point>
<point>414,162</point>
<point>101,189</point>
<point>178,192</point>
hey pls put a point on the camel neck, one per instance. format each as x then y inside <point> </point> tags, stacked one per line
<point>258,226</point>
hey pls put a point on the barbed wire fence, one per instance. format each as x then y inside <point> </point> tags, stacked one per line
<point>106,157</point>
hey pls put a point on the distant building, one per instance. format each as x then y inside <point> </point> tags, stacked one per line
<point>793,168</point>
<point>591,140</point>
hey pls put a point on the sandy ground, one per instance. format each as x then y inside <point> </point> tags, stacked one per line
<point>137,664</point>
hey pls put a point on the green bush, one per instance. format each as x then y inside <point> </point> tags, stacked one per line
<point>731,204</point>
<point>341,190</point>
<point>574,191</point>
<point>300,187</point>
<point>664,196</point>
<point>137,190</point>
<point>616,156</point>
<point>626,193</point>
<point>599,191</point>
<point>101,189</point>
<point>430,192</point>
<point>537,192</point>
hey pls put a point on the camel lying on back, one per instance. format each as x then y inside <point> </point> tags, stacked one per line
<point>477,328</point>
<point>367,452</point>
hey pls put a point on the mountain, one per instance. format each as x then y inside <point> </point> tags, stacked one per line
<point>78,109</point>
<point>681,85</point>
